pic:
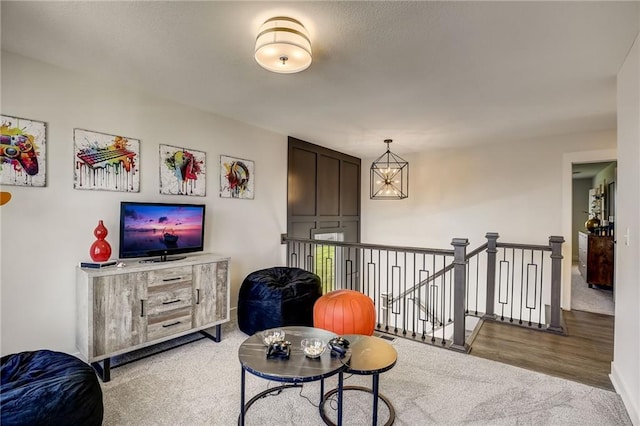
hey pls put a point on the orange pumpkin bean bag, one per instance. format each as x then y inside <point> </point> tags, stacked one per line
<point>345,312</point>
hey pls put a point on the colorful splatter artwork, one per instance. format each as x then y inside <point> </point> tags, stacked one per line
<point>22,151</point>
<point>106,162</point>
<point>236,178</point>
<point>182,171</point>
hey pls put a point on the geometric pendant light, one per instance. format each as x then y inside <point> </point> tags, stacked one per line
<point>389,178</point>
<point>283,46</point>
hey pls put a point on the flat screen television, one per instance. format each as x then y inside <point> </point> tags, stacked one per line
<point>160,229</point>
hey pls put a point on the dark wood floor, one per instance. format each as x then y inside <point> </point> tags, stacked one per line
<point>584,355</point>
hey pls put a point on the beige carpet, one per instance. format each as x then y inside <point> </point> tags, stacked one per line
<point>583,298</point>
<point>199,384</point>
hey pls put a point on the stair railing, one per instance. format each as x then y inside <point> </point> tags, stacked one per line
<point>516,277</point>
<point>426,293</point>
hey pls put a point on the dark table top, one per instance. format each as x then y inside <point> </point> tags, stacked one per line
<point>298,368</point>
<point>370,354</point>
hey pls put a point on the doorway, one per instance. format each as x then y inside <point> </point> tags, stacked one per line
<point>592,237</point>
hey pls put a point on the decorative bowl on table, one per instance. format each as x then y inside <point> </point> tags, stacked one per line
<point>313,347</point>
<point>272,335</point>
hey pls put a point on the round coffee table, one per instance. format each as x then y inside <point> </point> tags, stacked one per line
<point>369,356</point>
<point>293,371</point>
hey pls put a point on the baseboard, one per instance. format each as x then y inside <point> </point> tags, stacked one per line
<point>630,403</point>
<point>233,317</point>
<point>474,333</point>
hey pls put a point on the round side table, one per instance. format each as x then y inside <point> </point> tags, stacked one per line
<point>290,372</point>
<point>370,356</point>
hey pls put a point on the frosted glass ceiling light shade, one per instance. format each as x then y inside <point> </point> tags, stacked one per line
<point>389,177</point>
<point>283,46</point>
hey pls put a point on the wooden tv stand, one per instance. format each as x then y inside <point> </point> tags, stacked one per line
<point>121,309</point>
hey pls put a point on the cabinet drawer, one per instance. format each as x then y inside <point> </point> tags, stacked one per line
<point>168,323</point>
<point>170,275</point>
<point>167,297</point>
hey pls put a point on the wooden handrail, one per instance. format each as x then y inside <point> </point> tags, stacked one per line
<point>440,252</point>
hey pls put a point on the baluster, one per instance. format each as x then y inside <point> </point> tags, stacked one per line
<point>521,284</point>
<point>492,243</point>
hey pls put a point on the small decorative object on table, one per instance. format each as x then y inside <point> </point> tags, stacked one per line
<point>592,223</point>
<point>313,347</point>
<point>98,265</point>
<point>279,350</point>
<point>271,336</point>
<point>100,250</point>
<point>339,346</point>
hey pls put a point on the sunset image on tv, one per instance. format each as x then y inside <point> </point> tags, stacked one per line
<point>149,228</point>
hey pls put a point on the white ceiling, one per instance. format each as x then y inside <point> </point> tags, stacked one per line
<point>426,74</point>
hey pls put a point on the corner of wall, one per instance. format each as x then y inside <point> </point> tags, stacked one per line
<point>622,389</point>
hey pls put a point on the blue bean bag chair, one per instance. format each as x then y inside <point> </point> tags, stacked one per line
<point>48,388</point>
<point>277,297</point>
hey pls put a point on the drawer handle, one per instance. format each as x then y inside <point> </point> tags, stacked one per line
<point>141,307</point>
<point>171,301</point>
<point>170,325</point>
<point>197,296</point>
<point>172,279</point>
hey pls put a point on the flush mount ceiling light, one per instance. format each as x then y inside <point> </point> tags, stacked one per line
<point>389,176</point>
<point>283,46</point>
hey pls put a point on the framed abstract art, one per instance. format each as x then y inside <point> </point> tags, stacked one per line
<point>236,178</point>
<point>182,171</point>
<point>23,149</point>
<point>105,162</point>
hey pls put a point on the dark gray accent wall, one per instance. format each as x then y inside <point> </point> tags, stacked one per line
<point>323,191</point>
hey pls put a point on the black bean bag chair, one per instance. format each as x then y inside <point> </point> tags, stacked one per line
<point>277,297</point>
<point>48,388</point>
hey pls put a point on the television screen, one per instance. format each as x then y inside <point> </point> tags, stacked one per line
<point>160,229</point>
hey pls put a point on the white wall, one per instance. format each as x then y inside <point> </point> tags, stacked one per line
<point>605,177</point>
<point>524,194</point>
<point>625,369</point>
<point>514,189</point>
<point>46,231</point>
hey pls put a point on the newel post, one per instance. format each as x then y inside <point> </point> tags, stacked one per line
<point>556,282</point>
<point>459,284</point>
<point>285,241</point>
<point>492,251</point>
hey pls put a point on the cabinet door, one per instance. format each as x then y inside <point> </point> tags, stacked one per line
<point>210,293</point>
<point>600,261</point>
<point>118,316</point>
